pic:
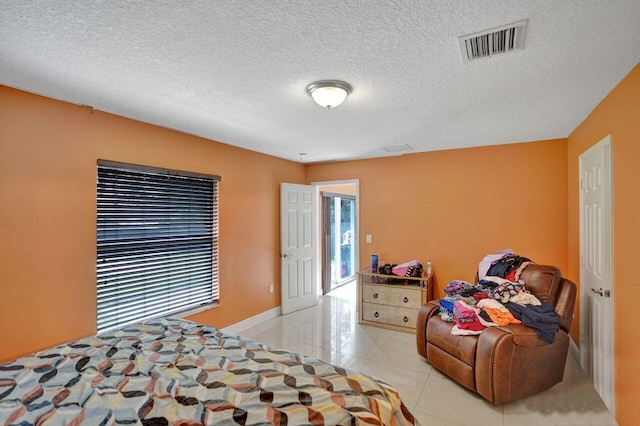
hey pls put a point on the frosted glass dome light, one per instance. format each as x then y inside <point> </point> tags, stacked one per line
<point>329,93</point>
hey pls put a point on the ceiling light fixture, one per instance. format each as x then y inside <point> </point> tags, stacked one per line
<point>329,93</point>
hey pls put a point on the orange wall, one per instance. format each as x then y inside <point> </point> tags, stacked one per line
<point>455,206</point>
<point>618,115</point>
<point>48,155</point>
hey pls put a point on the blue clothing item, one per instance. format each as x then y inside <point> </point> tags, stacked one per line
<point>542,319</point>
<point>485,285</point>
<point>447,305</point>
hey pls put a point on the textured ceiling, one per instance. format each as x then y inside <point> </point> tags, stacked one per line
<point>237,71</point>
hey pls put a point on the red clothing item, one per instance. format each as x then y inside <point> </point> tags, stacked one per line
<point>479,296</point>
<point>465,317</point>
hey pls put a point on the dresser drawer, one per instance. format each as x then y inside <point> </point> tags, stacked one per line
<point>386,314</point>
<point>402,296</point>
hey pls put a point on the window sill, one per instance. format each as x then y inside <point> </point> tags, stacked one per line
<point>193,311</point>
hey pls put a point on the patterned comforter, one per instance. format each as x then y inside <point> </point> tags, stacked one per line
<point>171,371</point>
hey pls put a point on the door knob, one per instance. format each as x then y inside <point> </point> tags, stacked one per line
<point>284,255</point>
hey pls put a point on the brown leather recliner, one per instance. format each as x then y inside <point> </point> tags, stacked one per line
<point>503,364</point>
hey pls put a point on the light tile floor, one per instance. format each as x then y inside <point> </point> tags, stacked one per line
<point>330,331</point>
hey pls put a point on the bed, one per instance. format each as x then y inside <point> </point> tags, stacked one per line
<point>172,371</point>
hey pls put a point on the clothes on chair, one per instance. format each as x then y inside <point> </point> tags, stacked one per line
<point>497,312</point>
<point>485,263</point>
<point>456,287</point>
<point>507,290</point>
<point>525,298</point>
<point>542,319</point>
<point>503,266</point>
<point>466,317</point>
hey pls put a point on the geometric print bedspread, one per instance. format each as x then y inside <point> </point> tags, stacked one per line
<point>177,372</point>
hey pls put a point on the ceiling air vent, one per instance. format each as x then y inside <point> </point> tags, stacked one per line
<point>398,148</point>
<point>493,42</point>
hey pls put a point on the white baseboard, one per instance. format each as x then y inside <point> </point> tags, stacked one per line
<point>254,320</point>
<point>574,350</point>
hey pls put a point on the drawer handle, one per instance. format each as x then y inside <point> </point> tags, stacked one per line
<point>405,319</point>
<point>375,314</point>
<point>405,300</point>
<point>375,295</point>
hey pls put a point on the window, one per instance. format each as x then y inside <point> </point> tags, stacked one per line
<point>157,242</point>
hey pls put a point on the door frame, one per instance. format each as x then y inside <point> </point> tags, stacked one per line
<point>585,339</point>
<point>356,244</point>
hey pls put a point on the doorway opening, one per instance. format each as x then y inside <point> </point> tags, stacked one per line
<point>339,231</point>
<point>338,234</point>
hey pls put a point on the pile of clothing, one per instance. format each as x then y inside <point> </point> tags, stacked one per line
<point>504,264</point>
<point>412,268</point>
<point>500,298</point>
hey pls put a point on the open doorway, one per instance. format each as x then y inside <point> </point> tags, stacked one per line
<point>339,234</point>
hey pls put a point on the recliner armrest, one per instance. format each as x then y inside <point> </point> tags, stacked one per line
<point>426,311</point>
<point>521,335</point>
<point>512,362</point>
<point>566,303</point>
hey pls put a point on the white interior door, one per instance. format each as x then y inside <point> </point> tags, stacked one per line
<point>596,325</point>
<point>298,251</point>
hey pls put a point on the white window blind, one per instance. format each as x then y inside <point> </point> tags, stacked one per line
<point>157,242</point>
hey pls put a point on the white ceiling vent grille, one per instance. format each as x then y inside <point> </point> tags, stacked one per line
<point>398,148</point>
<point>493,42</point>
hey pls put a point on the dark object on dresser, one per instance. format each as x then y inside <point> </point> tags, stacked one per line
<point>503,364</point>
